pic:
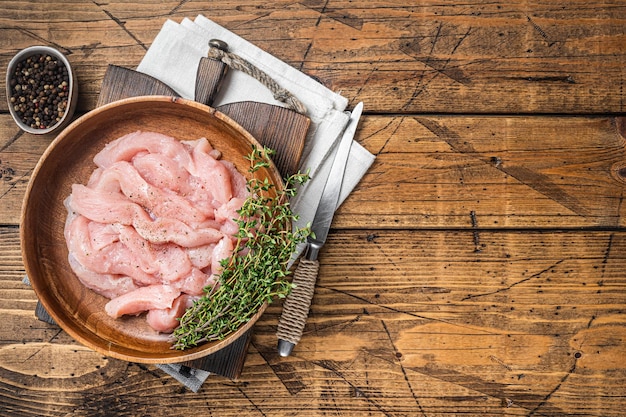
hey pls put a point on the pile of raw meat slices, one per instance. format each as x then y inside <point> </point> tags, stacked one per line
<point>149,229</point>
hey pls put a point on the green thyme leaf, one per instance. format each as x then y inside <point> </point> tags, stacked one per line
<point>257,272</point>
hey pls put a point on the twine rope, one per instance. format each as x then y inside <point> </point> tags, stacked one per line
<point>296,306</point>
<point>237,63</point>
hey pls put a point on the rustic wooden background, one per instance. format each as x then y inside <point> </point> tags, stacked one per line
<point>478,269</point>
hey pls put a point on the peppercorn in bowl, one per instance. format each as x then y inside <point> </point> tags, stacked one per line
<point>41,90</point>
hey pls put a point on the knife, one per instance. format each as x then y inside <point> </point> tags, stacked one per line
<point>296,307</point>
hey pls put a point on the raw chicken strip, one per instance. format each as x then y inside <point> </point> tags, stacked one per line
<point>166,320</point>
<point>142,299</point>
<point>108,285</point>
<point>153,223</point>
<point>110,207</point>
<point>214,176</point>
<point>126,147</point>
<point>156,201</point>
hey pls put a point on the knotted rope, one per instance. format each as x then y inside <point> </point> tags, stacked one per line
<point>238,63</point>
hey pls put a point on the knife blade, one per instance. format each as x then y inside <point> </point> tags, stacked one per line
<point>296,307</point>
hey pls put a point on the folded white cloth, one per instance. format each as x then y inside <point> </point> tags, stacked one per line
<point>192,378</point>
<point>174,56</point>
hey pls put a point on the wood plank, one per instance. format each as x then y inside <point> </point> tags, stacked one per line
<point>402,322</point>
<point>490,171</point>
<point>397,57</point>
<point>19,153</point>
<point>434,171</point>
<point>476,270</point>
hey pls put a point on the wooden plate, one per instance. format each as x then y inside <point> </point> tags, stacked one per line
<point>68,160</point>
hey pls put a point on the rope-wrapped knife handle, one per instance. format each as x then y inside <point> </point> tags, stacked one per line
<point>296,306</point>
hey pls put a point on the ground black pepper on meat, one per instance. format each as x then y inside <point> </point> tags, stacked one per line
<point>40,90</point>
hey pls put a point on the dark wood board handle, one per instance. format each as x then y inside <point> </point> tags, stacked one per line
<point>209,76</point>
<point>120,82</point>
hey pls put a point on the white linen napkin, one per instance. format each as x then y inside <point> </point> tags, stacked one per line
<point>174,56</point>
<point>192,378</point>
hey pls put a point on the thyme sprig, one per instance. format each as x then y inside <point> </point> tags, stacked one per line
<point>257,272</point>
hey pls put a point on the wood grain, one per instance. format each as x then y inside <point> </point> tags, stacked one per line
<point>397,56</point>
<point>509,171</point>
<point>433,171</point>
<point>119,83</point>
<point>477,269</point>
<point>531,324</point>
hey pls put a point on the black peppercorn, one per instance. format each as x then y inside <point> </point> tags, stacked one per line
<point>39,90</point>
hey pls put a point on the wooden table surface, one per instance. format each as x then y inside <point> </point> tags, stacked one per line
<point>478,269</point>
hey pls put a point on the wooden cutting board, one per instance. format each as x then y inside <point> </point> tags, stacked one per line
<point>276,127</point>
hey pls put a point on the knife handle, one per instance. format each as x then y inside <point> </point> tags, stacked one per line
<point>296,307</point>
